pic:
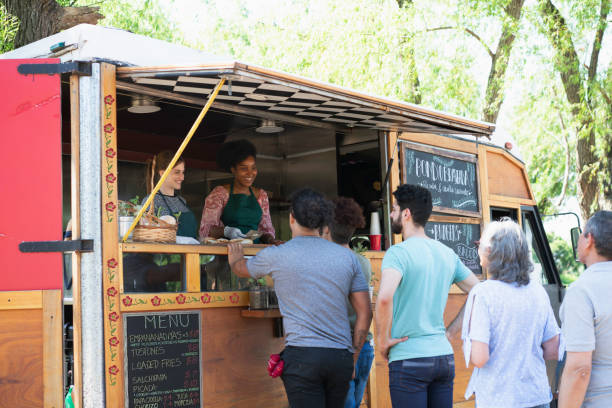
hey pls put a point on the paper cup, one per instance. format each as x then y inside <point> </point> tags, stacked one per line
<point>374,223</point>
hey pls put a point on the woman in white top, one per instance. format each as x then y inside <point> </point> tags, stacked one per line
<point>509,328</point>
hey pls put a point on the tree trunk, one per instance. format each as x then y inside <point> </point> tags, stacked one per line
<point>408,56</point>
<point>567,63</point>
<point>494,95</point>
<point>42,18</point>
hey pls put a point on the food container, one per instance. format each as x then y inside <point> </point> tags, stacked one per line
<point>258,297</point>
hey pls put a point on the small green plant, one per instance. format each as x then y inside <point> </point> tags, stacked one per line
<point>360,247</point>
<point>257,282</point>
<point>129,208</point>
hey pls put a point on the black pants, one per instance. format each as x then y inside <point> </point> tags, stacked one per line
<point>316,377</point>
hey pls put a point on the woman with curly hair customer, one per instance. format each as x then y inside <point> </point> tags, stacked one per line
<point>347,217</point>
<point>232,210</point>
<point>509,328</point>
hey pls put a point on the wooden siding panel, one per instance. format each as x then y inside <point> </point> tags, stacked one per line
<point>505,177</point>
<point>234,357</point>
<point>21,348</point>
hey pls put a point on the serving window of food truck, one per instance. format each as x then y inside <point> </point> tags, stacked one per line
<point>164,324</point>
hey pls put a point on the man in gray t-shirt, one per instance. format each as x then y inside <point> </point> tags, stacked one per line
<point>314,281</point>
<point>586,317</point>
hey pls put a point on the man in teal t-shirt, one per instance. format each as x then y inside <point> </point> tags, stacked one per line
<point>416,277</point>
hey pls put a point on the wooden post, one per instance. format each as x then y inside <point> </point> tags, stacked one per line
<point>113,329</point>
<point>75,216</point>
<point>394,178</point>
<point>53,381</point>
<point>192,262</point>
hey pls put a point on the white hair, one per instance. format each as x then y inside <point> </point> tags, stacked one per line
<point>508,252</point>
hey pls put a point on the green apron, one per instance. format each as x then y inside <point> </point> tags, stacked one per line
<point>187,224</point>
<point>242,211</point>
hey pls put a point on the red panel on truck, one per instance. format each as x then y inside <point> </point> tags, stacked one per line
<point>30,176</point>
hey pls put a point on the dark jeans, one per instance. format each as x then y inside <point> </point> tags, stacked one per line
<point>425,382</point>
<point>316,377</point>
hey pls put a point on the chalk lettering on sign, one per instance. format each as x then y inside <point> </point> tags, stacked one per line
<point>166,321</point>
<point>148,351</point>
<point>460,238</point>
<point>437,172</point>
<point>451,180</point>
<point>162,359</point>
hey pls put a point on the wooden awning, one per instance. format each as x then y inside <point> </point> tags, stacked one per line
<point>260,92</point>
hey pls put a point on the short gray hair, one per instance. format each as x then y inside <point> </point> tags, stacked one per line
<point>509,257</point>
<point>600,228</point>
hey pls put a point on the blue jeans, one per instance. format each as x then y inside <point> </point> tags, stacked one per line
<point>425,382</point>
<point>362,372</point>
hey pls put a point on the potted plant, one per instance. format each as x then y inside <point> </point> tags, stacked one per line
<point>127,212</point>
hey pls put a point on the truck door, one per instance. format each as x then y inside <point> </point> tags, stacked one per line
<point>545,270</point>
<point>30,210</point>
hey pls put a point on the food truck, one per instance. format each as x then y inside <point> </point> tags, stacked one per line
<point>87,107</point>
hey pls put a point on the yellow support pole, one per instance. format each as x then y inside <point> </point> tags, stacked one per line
<point>178,153</point>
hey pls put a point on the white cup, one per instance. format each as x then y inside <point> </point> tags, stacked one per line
<point>374,223</point>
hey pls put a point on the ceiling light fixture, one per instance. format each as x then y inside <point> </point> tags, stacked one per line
<point>142,104</point>
<point>269,126</point>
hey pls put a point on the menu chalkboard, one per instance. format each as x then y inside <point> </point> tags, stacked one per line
<point>450,176</point>
<point>162,360</point>
<point>460,238</point>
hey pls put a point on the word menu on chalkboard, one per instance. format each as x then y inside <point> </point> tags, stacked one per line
<point>162,360</point>
<point>460,238</point>
<point>450,176</point>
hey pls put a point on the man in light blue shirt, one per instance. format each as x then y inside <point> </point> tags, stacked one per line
<point>416,277</point>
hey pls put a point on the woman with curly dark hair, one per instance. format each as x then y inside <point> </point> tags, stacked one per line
<point>234,209</point>
<point>347,217</point>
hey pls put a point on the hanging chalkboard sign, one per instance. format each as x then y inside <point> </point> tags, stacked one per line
<point>452,177</point>
<point>460,238</point>
<point>162,359</point>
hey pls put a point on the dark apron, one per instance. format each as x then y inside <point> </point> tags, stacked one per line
<point>242,211</point>
<point>187,224</point>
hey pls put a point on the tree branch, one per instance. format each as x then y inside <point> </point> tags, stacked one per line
<point>467,30</point>
<point>567,160</point>
<point>604,94</point>
<point>494,94</point>
<point>42,18</point>
<point>601,28</point>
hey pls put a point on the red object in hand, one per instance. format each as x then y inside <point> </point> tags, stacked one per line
<point>278,370</point>
<point>275,365</point>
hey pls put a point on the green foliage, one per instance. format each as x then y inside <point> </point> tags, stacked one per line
<point>563,254</point>
<point>145,17</point>
<point>377,47</point>
<point>8,29</point>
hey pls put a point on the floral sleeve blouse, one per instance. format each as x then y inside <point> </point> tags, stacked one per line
<point>215,203</point>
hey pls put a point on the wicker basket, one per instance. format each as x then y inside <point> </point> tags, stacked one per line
<point>163,232</point>
<point>156,230</point>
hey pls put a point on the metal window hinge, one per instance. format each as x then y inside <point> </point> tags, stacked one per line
<point>82,68</point>
<point>77,245</point>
